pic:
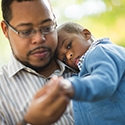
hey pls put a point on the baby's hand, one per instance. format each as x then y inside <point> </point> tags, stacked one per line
<point>64,85</point>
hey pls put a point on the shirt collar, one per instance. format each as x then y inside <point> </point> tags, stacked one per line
<point>63,67</point>
<point>15,66</point>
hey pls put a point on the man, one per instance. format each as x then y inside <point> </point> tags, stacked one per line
<point>30,27</point>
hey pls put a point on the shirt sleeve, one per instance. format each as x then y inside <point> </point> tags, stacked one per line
<point>101,73</point>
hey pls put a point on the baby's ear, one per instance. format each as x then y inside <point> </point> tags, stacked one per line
<point>86,33</point>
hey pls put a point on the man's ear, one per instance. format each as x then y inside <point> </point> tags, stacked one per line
<point>86,33</point>
<point>4,28</point>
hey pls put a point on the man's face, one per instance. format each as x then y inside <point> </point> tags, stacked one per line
<point>36,51</point>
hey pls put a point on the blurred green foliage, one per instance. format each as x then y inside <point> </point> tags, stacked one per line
<point>104,18</point>
<point>109,23</point>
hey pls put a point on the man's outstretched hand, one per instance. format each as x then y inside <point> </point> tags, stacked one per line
<point>48,104</point>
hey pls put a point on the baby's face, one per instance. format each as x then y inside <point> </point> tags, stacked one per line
<point>71,47</point>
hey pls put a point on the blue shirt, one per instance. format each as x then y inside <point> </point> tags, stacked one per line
<point>99,97</point>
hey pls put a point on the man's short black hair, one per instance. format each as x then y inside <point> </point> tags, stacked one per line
<point>6,8</point>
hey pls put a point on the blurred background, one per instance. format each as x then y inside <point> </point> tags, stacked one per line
<point>104,18</point>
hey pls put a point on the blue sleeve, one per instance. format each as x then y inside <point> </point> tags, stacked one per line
<point>105,71</point>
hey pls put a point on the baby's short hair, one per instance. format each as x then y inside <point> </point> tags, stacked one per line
<point>70,27</point>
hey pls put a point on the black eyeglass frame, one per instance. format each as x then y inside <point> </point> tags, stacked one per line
<point>18,32</point>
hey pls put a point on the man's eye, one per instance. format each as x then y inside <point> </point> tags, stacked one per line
<point>69,45</point>
<point>47,29</point>
<point>26,32</point>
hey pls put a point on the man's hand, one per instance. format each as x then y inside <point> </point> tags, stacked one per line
<point>48,105</point>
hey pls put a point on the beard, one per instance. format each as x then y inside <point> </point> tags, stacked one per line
<point>36,68</point>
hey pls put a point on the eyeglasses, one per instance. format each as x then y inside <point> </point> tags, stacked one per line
<point>31,32</point>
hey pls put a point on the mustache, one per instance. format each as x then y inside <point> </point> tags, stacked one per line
<point>38,48</point>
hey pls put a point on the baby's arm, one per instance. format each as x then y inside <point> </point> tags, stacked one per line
<point>65,86</point>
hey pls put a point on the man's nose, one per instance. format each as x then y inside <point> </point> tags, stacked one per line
<point>38,37</point>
